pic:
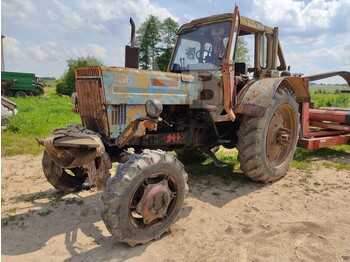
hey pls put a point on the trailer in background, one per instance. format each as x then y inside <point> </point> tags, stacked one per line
<point>20,84</point>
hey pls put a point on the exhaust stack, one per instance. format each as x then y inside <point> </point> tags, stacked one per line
<point>132,52</point>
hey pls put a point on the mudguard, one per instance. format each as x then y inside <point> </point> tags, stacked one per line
<point>256,96</point>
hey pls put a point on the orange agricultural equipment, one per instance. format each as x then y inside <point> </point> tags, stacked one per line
<point>207,98</point>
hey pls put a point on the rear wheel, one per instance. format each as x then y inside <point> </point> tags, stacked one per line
<point>65,180</point>
<point>39,90</point>
<point>20,94</point>
<point>144,197</point>
<point>266,144</point>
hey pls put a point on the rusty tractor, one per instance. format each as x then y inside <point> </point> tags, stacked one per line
<point>205,100</point>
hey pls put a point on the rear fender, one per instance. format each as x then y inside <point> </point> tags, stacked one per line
<point>256,96</point>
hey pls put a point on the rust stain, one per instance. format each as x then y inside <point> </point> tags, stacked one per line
<point>170,138</point>
<point>164,82</point>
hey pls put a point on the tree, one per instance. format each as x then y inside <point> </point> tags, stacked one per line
<point>148,36</point>
<point>66,84</point>
<point>169,28</point>
<point>242,51</point>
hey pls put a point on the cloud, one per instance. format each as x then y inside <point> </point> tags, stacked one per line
<point>299,17</point>
<point>324,59</point>
<point>98,51</point>
<point>52,15</point>
<point>120,10</point>
<point>12,48</point>
<point>37,52</point>
<point>18,9</point>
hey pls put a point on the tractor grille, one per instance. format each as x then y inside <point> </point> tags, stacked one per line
<point>91,100</point>
<point>88,72</point>
<point>119,115</point>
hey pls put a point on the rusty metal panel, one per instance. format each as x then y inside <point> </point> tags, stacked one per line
<point>88,72</point>
<point>256,97</point>
<point>320,142</point>
<point>121,115</point>
<point>135,87</point>
<point>91,103</point>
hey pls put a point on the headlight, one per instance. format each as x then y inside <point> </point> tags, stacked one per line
<point>153,108</point>
<point>74,98</point>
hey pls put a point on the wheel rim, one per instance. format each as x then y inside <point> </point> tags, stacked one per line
<point>153,200</point>
<point>281,135</point>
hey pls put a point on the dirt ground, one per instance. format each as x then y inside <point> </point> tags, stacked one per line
<point>303,217</point>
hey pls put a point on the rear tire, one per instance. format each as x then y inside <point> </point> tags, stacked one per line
<point>65,180</point>
<point>39,90</point>
<point>20,94</point>
<point>144,197</point>
<point>266,144</point>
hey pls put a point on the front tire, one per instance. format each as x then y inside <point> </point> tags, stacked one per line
<point>144,197</point>
<point>266,144</point>
<point>65,180</point>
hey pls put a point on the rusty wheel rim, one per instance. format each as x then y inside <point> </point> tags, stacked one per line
<point>281,135</point>
<point>153,200</point>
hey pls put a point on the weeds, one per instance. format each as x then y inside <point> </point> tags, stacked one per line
<point>32,197</point>
<point>74,201</point>
<point>55,198</point>
<point>44,213</point>
<point>11,210</point>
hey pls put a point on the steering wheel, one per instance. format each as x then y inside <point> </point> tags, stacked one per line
<point>205,53</point>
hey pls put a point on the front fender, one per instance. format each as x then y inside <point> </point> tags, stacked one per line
<point>256,96</point>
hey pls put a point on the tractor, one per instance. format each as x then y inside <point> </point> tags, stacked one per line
<point>206,99</point>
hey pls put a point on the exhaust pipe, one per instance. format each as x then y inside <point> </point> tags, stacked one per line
<point>131,52</point>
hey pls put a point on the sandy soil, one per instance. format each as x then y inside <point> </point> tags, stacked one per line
<point>302,217</point>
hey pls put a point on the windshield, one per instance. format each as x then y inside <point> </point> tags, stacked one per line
<point>202,47</point>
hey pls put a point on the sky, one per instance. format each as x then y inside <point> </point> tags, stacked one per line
<point>41,35</point>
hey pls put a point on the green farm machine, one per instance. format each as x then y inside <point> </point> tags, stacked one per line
<point>20,84</point>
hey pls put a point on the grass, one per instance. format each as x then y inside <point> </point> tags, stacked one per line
<point>36,118</point>
<point>330,96</point>
<point>331,100</point>
<point>303,158</point>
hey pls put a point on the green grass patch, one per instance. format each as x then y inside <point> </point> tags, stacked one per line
<point>337,166</point>
<point>36,118</point>
<point>331,100</point>
<point>303,158</point>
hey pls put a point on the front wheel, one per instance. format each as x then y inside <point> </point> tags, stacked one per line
<point>266,144</point>
<point>65,180</point>
<point>144,197</point>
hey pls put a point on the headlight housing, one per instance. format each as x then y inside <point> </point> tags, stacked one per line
<point>153,108</point>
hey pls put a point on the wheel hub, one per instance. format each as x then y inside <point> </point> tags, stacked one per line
<point>155,201</point>
<point>283,137</point>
